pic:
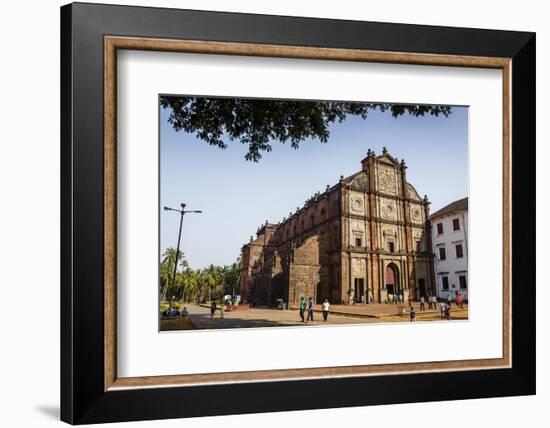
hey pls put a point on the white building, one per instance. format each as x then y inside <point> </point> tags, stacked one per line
<point>450,245</point>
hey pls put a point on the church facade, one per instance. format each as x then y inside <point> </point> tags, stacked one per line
<point>365,238</point>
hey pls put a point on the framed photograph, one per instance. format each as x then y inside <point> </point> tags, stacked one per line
<point>292,213</point>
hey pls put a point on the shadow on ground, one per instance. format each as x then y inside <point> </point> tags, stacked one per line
<point>203,321</point>
<point>177,324</point>
<point>51,411</point>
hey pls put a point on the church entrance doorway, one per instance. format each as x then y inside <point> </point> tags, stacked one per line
<point>319,294</point>
<point>359,289</point>
<point>392,279</point>
<point>422,287</point>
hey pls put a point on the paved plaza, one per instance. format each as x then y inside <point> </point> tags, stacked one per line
<point>199,316</point>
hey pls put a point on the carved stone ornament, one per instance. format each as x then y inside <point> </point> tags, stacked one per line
<point>361,182</point>
<point>416,214</point>
<point>388,212</point>
<point>357,227</point>
<point>389,232</point>
<point>357,205</point>
<point>386,180</point>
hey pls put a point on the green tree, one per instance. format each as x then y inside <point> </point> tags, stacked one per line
<point>165,279</point>
<point>168,260</point>
<point>212,281</point>
<point>201,285</point>
<point>256,122</point>
<point>231,276</point>
<point>189,284</point>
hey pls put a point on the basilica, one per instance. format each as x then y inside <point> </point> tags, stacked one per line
<point>364,239</point>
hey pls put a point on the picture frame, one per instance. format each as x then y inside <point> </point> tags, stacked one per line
<point>91,391</point>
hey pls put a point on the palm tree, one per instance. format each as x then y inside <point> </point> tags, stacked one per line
<point>193,284</point>
<point>189,282</point>
<point>169,258</point>
<point>231,275</point>
<point>165,279</point>
<point>212,280</point>
<point>201,284</point>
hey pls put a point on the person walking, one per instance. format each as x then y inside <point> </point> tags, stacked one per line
<point>442,306</point>
<point>302,309</point>
<point>447,312</point>
<point>449,298</point>
<point>212,308</point>
<point>326,309</point>
<point>184,313</point>
<point>310,310</point>
<point>459,303</point>
<point>413,313</point>
<point>422,304</point>
<point>362,299</point>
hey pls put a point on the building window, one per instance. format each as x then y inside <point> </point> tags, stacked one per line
<point>444,283</point>
<point>358,242</point>
<point>456,224</point>
<point>418,246</point>
<point>462,282</point>
<point>442,254</point>
<point>391,246</point>
<point>440,228</point>
<point>459,252</point>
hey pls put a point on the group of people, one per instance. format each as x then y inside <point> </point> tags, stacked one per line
<point>432,302</point>
<point>214,308</point>
<point>172,312</point>
<point>363,299</point>
<point>444,306</point>
<point>445,309</point>
<point>395,298</point>
<point>308,306</point>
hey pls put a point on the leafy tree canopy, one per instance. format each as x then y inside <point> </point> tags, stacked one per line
<point>257,122</point>
<point>196,284</point>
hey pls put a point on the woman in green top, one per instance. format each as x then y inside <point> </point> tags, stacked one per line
<point>302,309</point>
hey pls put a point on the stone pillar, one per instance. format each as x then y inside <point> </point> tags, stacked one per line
<point>366,279</point>
<point>411,276</point>
<point>382,290</point>
<point>430,269</point>
<point>406,284</point>
<point>406,208</point>
<point>351,290</point>
<point>375,277</point>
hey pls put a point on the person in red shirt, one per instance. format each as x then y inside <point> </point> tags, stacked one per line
<point>459,301</point>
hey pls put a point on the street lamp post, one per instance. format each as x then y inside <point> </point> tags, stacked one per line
<point>182,212</point>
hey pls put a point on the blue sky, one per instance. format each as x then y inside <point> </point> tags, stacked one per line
<point>236,195</point>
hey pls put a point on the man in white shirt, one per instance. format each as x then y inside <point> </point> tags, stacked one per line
<point>326,308</point>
